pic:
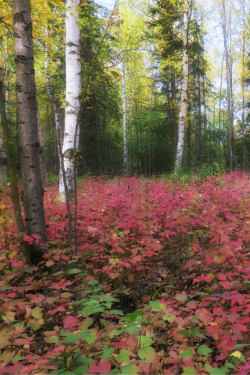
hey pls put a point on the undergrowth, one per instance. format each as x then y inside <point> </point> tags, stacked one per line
<point>160,283</point>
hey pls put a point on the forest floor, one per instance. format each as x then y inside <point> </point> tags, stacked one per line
<point>160,283</point>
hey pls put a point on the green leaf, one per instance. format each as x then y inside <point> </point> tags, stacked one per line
<point>185,332</point>
<point>170,318</point>
<point>81,370</point>
<point>208,367</point>
<point>107,354</point>
<point>144,340</point>
<point>130,369</point>
<point>123,356</point>
<point>187,353</point>
<point>85,360</point>
<point>204,350</point>
<point>73,271</point>
<point>155,305</point>
<point>132,329</point>
<point>229,365</point>
<point>218,371</point>
<point>116,312</point>
<point>195,332</point>
<point>147,352</point>
<point>52,339</point>
<point>196,317</point>
<point>16,359</point>
<point>190,370</point>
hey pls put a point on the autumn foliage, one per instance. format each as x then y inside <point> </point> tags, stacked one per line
<point>193,320</point>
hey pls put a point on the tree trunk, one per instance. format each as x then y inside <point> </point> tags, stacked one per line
<point>73,89</point>
<point>205,122</point>
<point>182,114</point>
<point>149,131</point>
<point>41,151</point>
<point>13,176</point>
<point>56,106</point>
<point>3,160</point>
<point>198,127</point>
<point>124,111</point>
<point>189,162</point>
<point>243,91</point>
<point>220,109</point>
<point>174,104</point>
<point>27,116</point>
<point>224,26</point>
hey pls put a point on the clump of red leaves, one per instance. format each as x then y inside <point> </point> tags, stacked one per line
<point>127,229</point>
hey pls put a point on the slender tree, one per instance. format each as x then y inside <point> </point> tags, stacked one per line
<point>73,88</point>
<point>27,117</point>
<point>3,160</point>
<point>182,113</point>
<point>225,35</point>
<point>124,97</point>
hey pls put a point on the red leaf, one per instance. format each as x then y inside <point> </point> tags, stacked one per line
<point>60,347</point>
<point>70,322</point>
<point>102,368</point>
<point>12,295</point>
<point>21,342</point>
<point>36,236</point>
<point>28,239</point>
<point>15,369</point>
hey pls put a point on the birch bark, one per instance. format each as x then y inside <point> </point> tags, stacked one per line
<point>73,88</point>
<point>27,117</point>
<point>124,112</point>
<point>225,35</point>
<point>182,113</point>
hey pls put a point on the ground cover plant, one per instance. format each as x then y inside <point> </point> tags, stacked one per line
<point>160,283</point>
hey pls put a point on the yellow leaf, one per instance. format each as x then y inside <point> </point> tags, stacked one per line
<point>213,324</point>
<point>12,254</point>
<point>236,354</point>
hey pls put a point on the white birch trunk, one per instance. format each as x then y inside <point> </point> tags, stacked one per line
<point>124,111</point>
<point>225,35</point>
<point>182,114</point>
<point>73,88</point>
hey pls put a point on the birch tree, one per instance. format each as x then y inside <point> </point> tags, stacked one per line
<point>73,88</point>
<point>27,117</point>
<point>184,88</point>
<point>224,21</point>
<point>124,98</point>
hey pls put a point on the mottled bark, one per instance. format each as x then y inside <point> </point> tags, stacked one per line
<point>182,114</point>
<point>27,117</point>
<point>73,89</point>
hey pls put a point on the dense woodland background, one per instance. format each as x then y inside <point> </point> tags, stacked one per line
<point>152,51</point>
